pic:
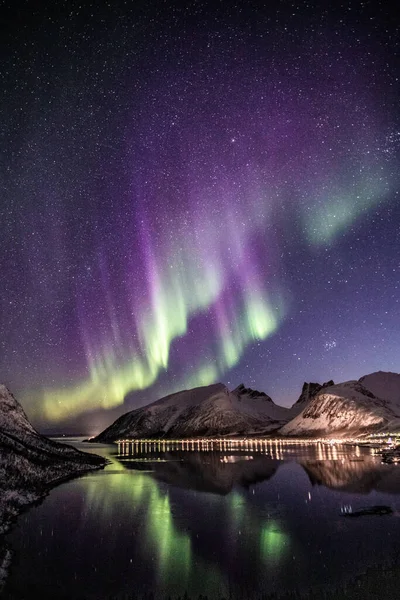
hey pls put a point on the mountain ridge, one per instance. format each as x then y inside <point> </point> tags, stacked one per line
<point>205,410</point>
<point>351,408</point>
<point>348,408</point>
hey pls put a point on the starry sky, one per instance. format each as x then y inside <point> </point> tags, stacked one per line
<point>195,192</point>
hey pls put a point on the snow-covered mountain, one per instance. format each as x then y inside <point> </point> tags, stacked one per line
<point>370,404</point>
<point>18,437</point>
<point>30,463</point>
<point>208,410</point>
<point>309,390</point>
<point>384,385</point>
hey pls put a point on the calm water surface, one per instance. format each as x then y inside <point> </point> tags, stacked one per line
<point>222,524</point>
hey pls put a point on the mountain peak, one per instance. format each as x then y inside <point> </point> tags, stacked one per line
<point>12,415</point>
<point>242,390</point>
<point>328,383</point>
<point>6,397</point>
<point>309,390</point>
<point>384,384</point>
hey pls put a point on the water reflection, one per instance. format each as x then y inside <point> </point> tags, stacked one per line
<point>160,541</point>
<point>360,476</point>
<point>206,472</point>
<point>183,532</point>
<point>218,468</point>
<point>339,467</point>
<point>238,523</point>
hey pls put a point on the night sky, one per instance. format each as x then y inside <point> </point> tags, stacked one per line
<point>195,192</point>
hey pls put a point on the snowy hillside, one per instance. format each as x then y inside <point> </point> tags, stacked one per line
<point>209,410</point>
<point>351,408</point>
<point>308,392</point>
<point>17,435</point>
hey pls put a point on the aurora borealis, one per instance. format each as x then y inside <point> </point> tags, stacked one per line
<point>195,193</point>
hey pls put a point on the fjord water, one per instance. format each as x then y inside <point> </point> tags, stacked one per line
<point>221,524</point>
